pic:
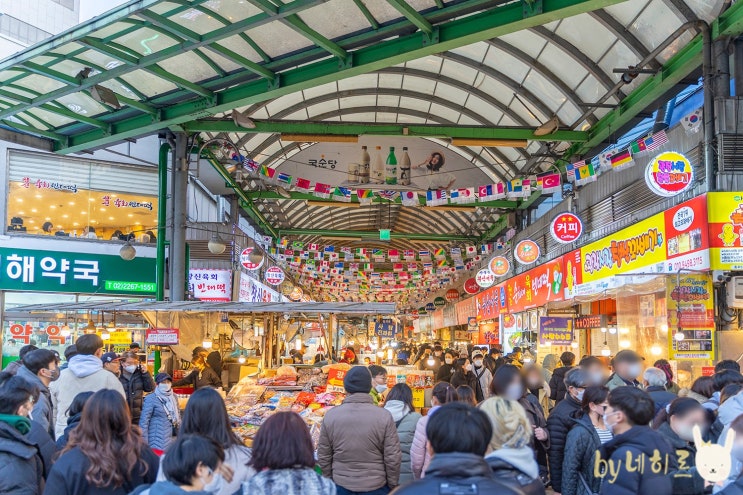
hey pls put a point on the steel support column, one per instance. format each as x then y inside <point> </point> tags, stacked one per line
<point>162,202</point>
<point>738,66</point>
<point>180,202</point>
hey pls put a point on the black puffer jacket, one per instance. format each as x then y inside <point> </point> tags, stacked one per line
<point>514,478</point>
<point>641,444</point>
<point>559,423</point>
<point>557,384</point>
<point>457,472</point>
<point>72,423</point>
<point>686,480</point>
<point>21,468</point>
<point>134,387</point>
<point>459,378</point>
<point>200,379</point>
<point>44,442</point>
<point>581,447</point>
<point>445,372</point>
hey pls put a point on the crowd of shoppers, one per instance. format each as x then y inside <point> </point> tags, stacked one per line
<point>103,425</point>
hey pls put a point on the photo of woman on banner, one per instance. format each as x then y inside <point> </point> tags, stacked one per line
<point>435,178</point>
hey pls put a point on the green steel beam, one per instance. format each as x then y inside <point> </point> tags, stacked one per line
<point>179,81</point>
<point>677,68</point>
<point>302,28</point>
<point>50,73</point>
<point>529,201</point>
<point>361,129</point>
<point>415,17</point>
<point>242,61</point>
<point>365,234</point>
<point>171,26</point>
<point>367,13</point>
<point>421,200</point>
<point>215,35</point>
<point>494,22</point>
<point>498,227</point>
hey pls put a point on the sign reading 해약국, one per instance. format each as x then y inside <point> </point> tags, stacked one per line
<point>55,271</point>
<point>557,331</point>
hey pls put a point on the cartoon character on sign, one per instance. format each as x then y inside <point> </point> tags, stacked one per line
<point>556,280</point>
<point>728,235</point>
<point>713,461</point>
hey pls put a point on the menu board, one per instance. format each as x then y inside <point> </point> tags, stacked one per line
<point>691,313</point>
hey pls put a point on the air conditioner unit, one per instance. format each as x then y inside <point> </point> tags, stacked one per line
<point>734,293</point>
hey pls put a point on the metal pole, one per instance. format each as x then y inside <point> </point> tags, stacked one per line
<point>178,242</point>
<point>709,108</point>
<point>738,66</point>
<point>162,201</point>
<point>722,68</point>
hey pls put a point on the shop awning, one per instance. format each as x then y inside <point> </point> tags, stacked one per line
<point>214,307</point>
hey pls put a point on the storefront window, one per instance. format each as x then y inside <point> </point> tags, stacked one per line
<point>65,197</point>
<point>55,330</point>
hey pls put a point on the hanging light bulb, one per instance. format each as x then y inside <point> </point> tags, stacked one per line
<point>90,327</point>
<point>105,335</point>
<point>431,361</point>
<point>207,344</point>
<point>574,345</point>
<point>216,245</point>
<point>678,336</point>
<point>624,330</point>
<point>612,330</point>
<point>624,343</point>
<point>65,331</point>
<point>298,343</point>
<point>605,351</point>
<point>127,251</point>
<point>664,328</point>
<point>241,359</point>
<point>603,329</point>
<point>655,350</point>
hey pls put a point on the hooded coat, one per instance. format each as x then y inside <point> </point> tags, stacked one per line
<point>84,374</point>
<point>641,444</point>
<point>460,470</point>
<point>581,448</point>
<point>517,469</point>
<point>420,457</point>
<point>21,467</point>
<point>72,423</point>
<point>43,411</point>
<point>406,422</point>
<point>559,423</point>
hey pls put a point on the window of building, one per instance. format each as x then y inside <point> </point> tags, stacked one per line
<point>66,197</point>
<point>68,4</point>
<point>21,31</point>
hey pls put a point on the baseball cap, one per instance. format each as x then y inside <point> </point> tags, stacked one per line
<point>628,356</point>
<point>110,357</point>
<point>477,353</point>
<point>135,345</point>
<point>161,377</point>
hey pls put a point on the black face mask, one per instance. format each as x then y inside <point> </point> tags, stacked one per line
<point>54,375</point>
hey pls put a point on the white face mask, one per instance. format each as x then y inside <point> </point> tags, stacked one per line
<point>579,395</point>
<point>609,427</point>
<point>634,370</point>
<point>380,388</point>
<point>131,368</point>
<point>514,391</point>
<point>467,367</point>
<point>448,360</point>
<point>164,387</point>
<point>215,486</point>
<point>478,363</point>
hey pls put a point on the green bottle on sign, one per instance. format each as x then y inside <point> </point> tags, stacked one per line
<point>390,168</point>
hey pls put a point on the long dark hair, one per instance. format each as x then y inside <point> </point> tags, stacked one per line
<point>206,415</point>
<point>403,393</point>
<point>435,168</point>
<point>106,437</point>
<point>503,377</point>
<point>459,365</point>
<point>467,395</point>
<point>283,442</point>
<point>593,395</point>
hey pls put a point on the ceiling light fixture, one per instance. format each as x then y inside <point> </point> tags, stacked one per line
<point>241,119</point>
<point>102,94</point>
<point>127,251</point>
<point>216,245</point>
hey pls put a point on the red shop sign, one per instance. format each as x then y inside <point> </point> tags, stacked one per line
<point>162,336</point>
<point>471,287</point>
<point>566,228</point>
<point>536,287</point>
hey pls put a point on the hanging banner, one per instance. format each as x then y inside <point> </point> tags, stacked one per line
<point>669,174</point>
<point>252,290</point>
<point>210,285</point>
<point>536,287</point>
<point>488,333</point>
<point>526,252</point>
<point>566,228</point>
<point>466,309</point>
<point>488,303</point>
<point>555,331</point>
<point>725,213</point>
<point>162,336</point>
<point>691,314</point>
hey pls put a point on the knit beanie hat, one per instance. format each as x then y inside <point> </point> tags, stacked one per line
<point>358,380</point>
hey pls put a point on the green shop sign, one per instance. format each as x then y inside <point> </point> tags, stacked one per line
<point>54,271</point>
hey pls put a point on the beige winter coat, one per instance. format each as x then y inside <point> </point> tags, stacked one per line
<point>359,448</point>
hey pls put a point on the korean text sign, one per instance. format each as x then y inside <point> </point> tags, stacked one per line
<point>536,287</point>
<point>558,331</point>
<point>55,271</point>
<point>385,328</point>
<point>690,298</point>
<point>210,285</point>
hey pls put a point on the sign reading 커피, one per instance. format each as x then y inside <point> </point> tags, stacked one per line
<point>566,228</point>
<point>55,271</point>
<point>557,331</point>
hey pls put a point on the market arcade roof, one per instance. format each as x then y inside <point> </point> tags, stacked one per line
<point>491,67</point>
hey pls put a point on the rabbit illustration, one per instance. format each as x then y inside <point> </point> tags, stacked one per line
<point>713,461</point>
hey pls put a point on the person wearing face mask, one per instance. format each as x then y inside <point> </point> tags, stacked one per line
<point>136,380</point>
<point>627,415</point>
<point>583,442</point>
<point>463,374</point>
<point>509,384</point>
<point>557,382</point>
<point>627,366</point>
<point>201,376</point>
<point>41,368</point>
<point>595,369</point>
<point>446,369</point>
<point>191,468</point>
<point>379,383</point>
<point>483,376</point>
<point>21,464</point>
<point>655,386</point>
<point>420,455</point>
<point>561,420</point>
<point>160,418</point>
<point>733,485</point>
<point>683,414</point>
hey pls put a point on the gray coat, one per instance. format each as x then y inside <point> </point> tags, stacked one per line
<point>406,432</point>
<point>288,482</point>
<point>43,411</point>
